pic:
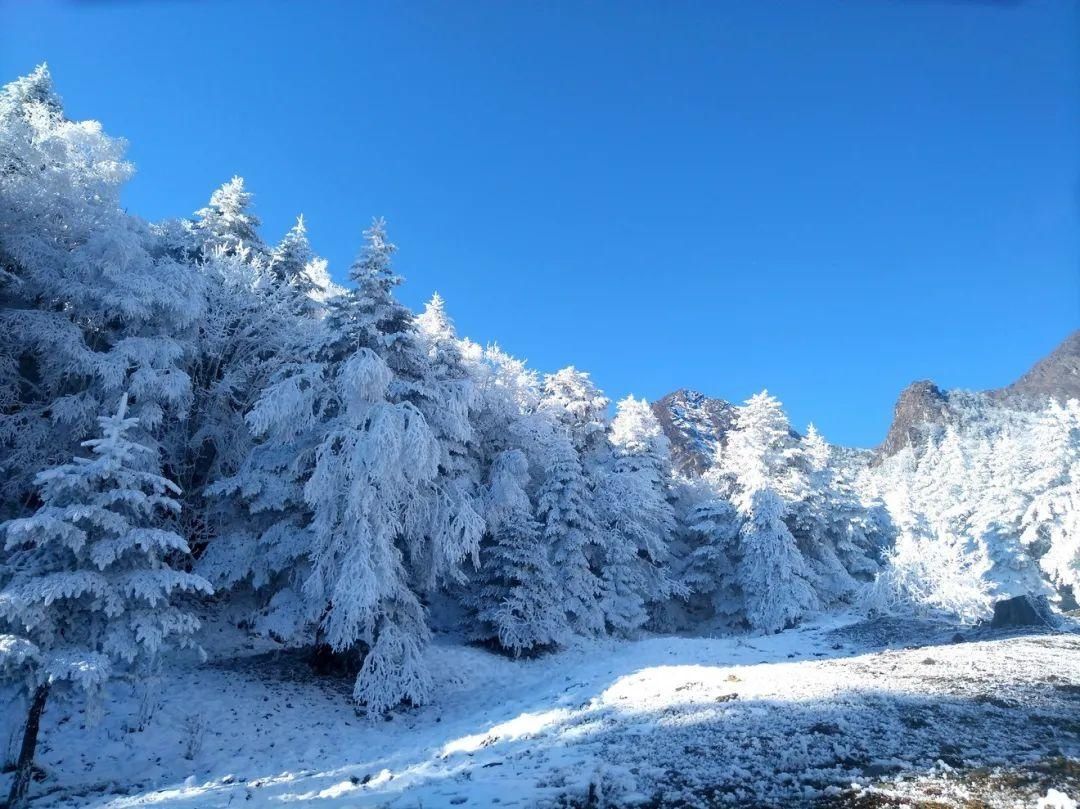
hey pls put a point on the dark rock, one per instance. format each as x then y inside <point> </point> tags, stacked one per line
<point>695,424</point>
<point>920,404</point>
<point>1056,376</point>
<point>879,769</point>
<point>1022,611</point>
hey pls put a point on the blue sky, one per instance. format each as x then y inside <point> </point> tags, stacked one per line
<point>829,199</point>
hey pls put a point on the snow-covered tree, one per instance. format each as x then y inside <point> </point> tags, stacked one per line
<point>574,402</point>
<point>448,402</point>
<point>972,489</point>
<point>708,569</point>
<point>91,301</point>
<point>91,590</point>
<point>373,460</point>
<point>925,575</point>
<point>1050,526</point>
<point>290,264</point>
<point>240,488</point>
<point>565,507</point>
<point>344,484</point>
<point>828,523</point>
<point>637,520</point>
<point>772,574</point>
<point>516,599</point>
<point>227,223</point>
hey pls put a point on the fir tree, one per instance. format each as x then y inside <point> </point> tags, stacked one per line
<point>635,557</point>
<point>227,223</point>
<point>516,600</point>
<point>564,506</point>
<point>91,589</point>
<point>772,573</point>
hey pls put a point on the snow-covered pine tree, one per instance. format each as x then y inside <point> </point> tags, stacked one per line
<point>253,328</point>
<point>374,459</point>
<point>228,224</point>
<point>339,425</point>
<point>565,508</point>
<point>772,573</point>
<point>637,520</point>
<point>91,302</point>
<point>817,521</point>
<point>863,525</point>
<point>373,311</point>
<point>289,264</point>
<point>1050,525</point>
<point>449,402</point>
<point>709,567</point>
<point>936,564</point>
<point>91,591</point>
<point>516,598</point>
<point>572,438</point>
<point>970,487</point>
<point>575,403</point>
<point>508,394</point>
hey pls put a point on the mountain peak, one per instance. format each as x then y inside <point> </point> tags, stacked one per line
<point>1056,376</point>
<point>694,424</point>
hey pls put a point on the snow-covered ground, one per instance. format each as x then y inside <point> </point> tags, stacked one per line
<point>787,719</point>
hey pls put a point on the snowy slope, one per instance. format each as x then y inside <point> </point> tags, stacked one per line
<point>779,720</point>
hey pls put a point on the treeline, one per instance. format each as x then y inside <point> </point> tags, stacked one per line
<point>185,408</point>
<point>336,462</point>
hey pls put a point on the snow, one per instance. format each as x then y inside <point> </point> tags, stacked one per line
<point>779,719</point>
<point>1056,800</point>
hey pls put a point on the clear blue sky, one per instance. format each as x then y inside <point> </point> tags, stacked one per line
<point>823,197</point>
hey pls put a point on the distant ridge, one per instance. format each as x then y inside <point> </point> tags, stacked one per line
<point>696,424</point>
<point>1056,376</point>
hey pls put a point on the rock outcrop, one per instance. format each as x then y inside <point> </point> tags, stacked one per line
<point>694,424</point>
<point>923,405</point>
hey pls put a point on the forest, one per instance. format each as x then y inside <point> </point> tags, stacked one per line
<point>197,421</point>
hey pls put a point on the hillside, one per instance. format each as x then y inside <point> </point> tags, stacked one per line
<point>833,715</point>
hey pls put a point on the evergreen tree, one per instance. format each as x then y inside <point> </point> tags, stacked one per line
<point>772,573</point>
<point>516,600</point>
<point>565,507</point>
<point>1050,525</point>
<point>635,557</point>
<point>289,263</point>
<point>448,402</point>
<point>91,303</point>
<point>344,479</point>
<point>575,403</point>
<point>709,568</point>
<point>91,590</point>
<point>227,223</point>
<point>818,522</point>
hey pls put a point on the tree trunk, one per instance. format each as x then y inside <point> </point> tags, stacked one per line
<point>19,787</point>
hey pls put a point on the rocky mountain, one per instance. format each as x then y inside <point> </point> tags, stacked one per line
<point>922,404</point>
<point>695,423</point>
<point>1057,375</point>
